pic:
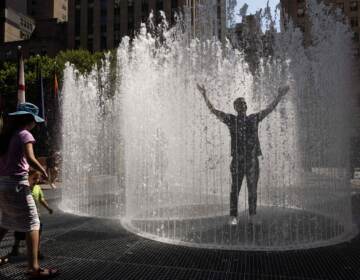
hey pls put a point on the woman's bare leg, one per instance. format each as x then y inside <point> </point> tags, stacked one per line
<point>2,233</point>
<point>32,241</point>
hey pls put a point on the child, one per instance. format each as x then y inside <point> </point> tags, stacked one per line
<point>17,205</point>
<point>52,162</point>
<point>38,195</point>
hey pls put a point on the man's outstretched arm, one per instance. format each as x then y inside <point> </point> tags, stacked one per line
<point>221,115</point>
<point>281,92</point>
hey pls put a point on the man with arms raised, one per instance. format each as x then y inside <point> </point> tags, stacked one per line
<point>245,148</point>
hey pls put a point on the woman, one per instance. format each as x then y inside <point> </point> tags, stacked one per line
<point>17,205</point>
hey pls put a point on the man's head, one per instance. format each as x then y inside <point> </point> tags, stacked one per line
<point>240,105</point>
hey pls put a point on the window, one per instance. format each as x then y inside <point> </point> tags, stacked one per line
<point>300,3</point>
<point>117,11</point>
<point>131,17</point>
<point>117,38</point>
<point>159,8</point>
<point>90,24</point>
<point>354,22</point>
<point>174,9</point>
<point>356,37</point>
<point>103,15</point>
<point>219,11</point>
<point>353,5</point>
<point>130,6</point>
<point>144,10</point>
<point>300,12</point>
<point>77,22</point>
<point>77,43</point>
<point>103,42</point>
<point>174,4</point>
<point>130,26</point>
<point>90,44</point>
<point>103,11</point>
<point>340,6</point>
<point>159,5</point>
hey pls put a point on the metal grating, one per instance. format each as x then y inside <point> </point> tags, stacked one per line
<point>92,248</point>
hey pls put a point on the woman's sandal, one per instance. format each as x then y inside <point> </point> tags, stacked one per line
<point>4,260</point>
<point>43,273</point>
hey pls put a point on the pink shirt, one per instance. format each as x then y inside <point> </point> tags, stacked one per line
<point>14,161</point>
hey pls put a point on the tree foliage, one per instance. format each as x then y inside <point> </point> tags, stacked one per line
<point>83,60</point>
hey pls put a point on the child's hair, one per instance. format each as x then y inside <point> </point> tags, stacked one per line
<point>11,125</point>
<point>34,176</point>
<point>33,172</point>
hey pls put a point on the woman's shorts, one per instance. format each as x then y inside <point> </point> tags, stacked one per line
<point>17,206</point>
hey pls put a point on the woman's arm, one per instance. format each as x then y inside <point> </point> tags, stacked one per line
<point>34,163</point>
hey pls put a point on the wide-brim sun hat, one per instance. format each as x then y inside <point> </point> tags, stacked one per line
<point>27,108</point>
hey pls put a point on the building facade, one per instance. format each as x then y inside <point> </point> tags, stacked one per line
<point>48,38</point>
<point>38,26</point>
<point>296,11</point>
<point>214,11</point>
<point>100,24</point>
<point>40,9</point>
<point>15,25</point>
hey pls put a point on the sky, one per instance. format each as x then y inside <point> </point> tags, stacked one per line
<point>255,5</point>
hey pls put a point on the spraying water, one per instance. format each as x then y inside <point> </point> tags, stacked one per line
<point>147,148</point>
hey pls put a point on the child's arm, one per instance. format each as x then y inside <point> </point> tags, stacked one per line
<point>46,205</point>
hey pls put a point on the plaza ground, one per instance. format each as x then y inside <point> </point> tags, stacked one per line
<point>93,248</point>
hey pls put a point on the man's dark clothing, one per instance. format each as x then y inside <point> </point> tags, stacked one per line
<point>239,169</point>
<point>244,135</point>
<point>245,149</point>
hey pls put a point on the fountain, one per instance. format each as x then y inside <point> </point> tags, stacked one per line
<point>91,149</point>
<point>151,152</point>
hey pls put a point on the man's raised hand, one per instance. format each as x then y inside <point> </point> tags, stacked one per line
<point>283,90</point>
<point>201,88</point>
